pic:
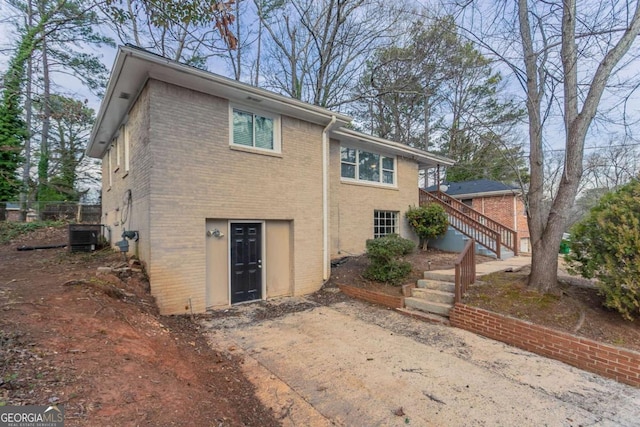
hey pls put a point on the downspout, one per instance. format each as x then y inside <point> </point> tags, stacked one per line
<point>515,212</point>
<point>325,199</point>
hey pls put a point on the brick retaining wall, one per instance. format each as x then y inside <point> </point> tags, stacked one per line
<point>613,362</point>
<point>374,297</point>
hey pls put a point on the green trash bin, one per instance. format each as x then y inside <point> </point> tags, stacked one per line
<point>564,247</point>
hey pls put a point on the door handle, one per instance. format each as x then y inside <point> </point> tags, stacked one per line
<point>259,263</point>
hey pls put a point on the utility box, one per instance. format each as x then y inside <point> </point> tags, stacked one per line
<point>84,237</point>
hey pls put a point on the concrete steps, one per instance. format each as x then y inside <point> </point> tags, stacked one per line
<point>437,284</point>
<point>432,296</point>
<point>428,306</point>
<point>425,317</point>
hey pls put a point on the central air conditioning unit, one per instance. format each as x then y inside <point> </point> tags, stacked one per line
<point>84,237</point>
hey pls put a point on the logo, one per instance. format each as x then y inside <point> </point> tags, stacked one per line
<point>32,416</point>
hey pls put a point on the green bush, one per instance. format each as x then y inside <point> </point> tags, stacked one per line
<point>385,253</point>
<point>606,246</point>
<point>428,221</point>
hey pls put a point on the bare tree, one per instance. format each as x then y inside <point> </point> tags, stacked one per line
<point>612,165</point>
<point>564,57</point>
<point>316,49</point>
<point>189,31</point>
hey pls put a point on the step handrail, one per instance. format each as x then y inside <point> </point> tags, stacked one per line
<point>482,234</point>
<point>465,267</point>
<point>508,236</point>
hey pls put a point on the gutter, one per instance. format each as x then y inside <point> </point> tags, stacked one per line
<point>325,198</point>
<point>514,192</point>
<point>393,147</point>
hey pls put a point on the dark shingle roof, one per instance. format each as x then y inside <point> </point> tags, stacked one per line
<point>478,186</point>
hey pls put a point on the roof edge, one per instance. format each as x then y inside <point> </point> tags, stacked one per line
<point>126,53</point>
<point>512,192</point>
<point>396,146</point>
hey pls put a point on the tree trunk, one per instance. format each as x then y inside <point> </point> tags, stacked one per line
<point>43,164</point>
<point>427,117</point>
<point>238,67</point>
<point>259,47</point>
<point>26,168</point>
<point>546,232</point>
<point>544,256</point>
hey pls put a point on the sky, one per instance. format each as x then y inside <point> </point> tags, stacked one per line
<point>600,133</point>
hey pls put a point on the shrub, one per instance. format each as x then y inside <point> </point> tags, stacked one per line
<point>428,221</point>
<point>385,253</point>
<point>606,245</point>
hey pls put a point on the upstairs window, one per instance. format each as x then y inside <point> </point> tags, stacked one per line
<point>255,130</point>
<point>126,142</point>
<point>363,165</point>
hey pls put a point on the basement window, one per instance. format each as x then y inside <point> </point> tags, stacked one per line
<point>385,223</point>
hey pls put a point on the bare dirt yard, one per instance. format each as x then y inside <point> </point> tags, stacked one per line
<point>348,270</point>
<point>576,309</point>
<point>96,344</point>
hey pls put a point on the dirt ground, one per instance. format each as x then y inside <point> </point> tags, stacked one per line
<point>349,363</point>
<point>348,270</point>
<point>96,344</point>
<point>577,309</point>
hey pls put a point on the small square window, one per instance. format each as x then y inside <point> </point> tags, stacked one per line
<point>254,130</point>
<point>384,223</point>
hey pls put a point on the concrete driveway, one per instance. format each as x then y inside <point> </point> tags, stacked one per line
<point>354,364</point>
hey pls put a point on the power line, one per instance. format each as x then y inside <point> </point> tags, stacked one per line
<point>592,148</point>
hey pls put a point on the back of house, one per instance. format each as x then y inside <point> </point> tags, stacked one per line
<point>236,193</point>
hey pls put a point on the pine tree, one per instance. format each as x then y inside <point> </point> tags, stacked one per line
<point>13,131</point>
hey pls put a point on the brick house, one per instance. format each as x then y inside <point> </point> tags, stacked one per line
<point>501,202</point>
<point>237,193</point>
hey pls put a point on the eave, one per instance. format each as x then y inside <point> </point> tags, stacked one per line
<point>133,67</point>
<point>361,140</point>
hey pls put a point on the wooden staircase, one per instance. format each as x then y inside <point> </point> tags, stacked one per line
<point>488,233</point>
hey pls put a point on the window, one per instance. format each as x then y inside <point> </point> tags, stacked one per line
<point>255,130</point>
<point>384,223</point>
<point>125,142</point>
<point>109,164</point>
<point>362,165</point>
<point>116,143</point>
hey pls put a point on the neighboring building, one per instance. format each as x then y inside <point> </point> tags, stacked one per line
<point>237,193</point>
<point>11,211</point>
<point>498,201</point>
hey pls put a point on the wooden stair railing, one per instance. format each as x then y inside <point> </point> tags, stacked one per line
<point>486,231</point>
<point>465,270</point>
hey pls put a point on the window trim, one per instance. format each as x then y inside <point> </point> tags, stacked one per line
<point>277,134</point>
<point>377,227</point>
<point>109,164</point>
<point>116,145</point>
<point>381,156</point>
<point>125,142</point>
